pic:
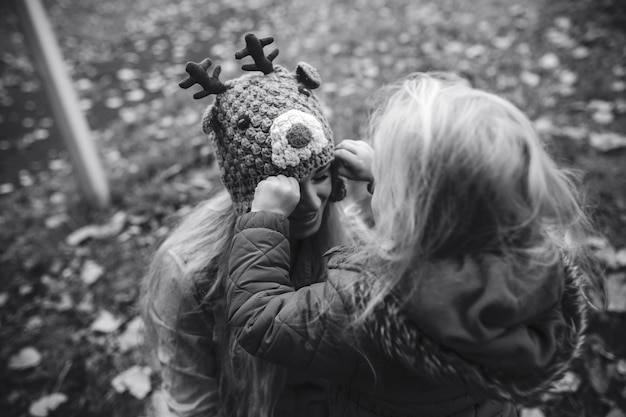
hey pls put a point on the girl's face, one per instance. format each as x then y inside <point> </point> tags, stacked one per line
<point>307,217</point>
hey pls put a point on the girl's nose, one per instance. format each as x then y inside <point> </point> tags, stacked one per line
<point>308,195</point>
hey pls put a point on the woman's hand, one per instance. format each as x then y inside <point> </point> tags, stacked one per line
<point>279,194</point>
<point>354,159</point>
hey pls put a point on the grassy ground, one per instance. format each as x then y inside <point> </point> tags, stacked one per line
<point>562,62</point>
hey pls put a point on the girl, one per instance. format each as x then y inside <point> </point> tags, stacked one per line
<point>260,124</point>
<point>465,297</point>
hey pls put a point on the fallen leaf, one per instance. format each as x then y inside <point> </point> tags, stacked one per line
<point>475,51</point>
<point>169,172</point>
<point>616,289</point>
<point>603,117</point>
<point>86,104</point>
<point>86,305</point>
<point>568,77</point>
<point>65,303</point>
<point>106,323</point>
<point>33,324</point>
<point>91,272</point>
<point>41,134</point>
<point>154,83</point>
<point>135,380</point>
<point>158,405</point>
<point>112,228</point>
<point>329,87</point>
<point>28,357</point>
<point>616,412</point>
<point>619,71</point>
<point>25,289</point>
<point>504,82</point>
<point>597,376</point>
<point>58,165</point>
<point>595,33</point>
<point>602,111</point>
<point>569,383</point>
<point>549,61</point>
<point>56,221</point>
<point>132,335</point>
<point>135,95</point>
<point>574,133</point>
<point>200,181</point>
<point>6,188</point>
<point>544,125</point>
<point>620,257</point>
<point>44,405</point>
<point>531,412</point>
<point>503,42</point>
<point>563,23</point>
<point>580,52</point>
<point>4,297</point>
<point>53,285</point>
<point>560,39</point>
<point>138,220</point>
<point>83,84</point>
<point>127,74</point>
<point>129,115</point>
<point>114,102</point>
<point>25,178</point>
<point>530,78</point>
<point>618,86</point>
<point>607,141</point>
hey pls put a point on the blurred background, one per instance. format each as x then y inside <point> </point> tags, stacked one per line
<point>69,329</point>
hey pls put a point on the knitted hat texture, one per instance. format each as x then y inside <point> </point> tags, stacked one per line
<point>267,123</point>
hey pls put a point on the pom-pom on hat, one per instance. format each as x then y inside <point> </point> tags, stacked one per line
<point>263,124</point>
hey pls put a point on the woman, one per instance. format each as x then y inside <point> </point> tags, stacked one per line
<point>260,124</point>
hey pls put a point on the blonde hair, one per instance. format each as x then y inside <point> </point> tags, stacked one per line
<point>459,171</point>
<point>248,386</point>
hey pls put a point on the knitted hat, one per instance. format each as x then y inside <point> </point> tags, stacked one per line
<point>263,124</point>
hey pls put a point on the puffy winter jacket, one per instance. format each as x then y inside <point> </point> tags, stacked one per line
<point>474,339</point>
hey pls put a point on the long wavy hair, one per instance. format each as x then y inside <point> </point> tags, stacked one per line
<point>461,172</point>
<point>249,386</point>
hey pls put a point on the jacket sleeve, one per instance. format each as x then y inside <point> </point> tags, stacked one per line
<point>184,345</point>
<point>296,329</point>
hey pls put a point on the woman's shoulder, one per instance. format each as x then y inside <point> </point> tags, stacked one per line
<point>180,294</point>
<point>176,278</point>
<point>173,269</point>
<point>172,290</point>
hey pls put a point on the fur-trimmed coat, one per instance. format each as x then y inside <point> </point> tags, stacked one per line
<point>475,338</point>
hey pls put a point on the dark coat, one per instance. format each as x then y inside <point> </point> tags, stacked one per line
<point>474,338</point>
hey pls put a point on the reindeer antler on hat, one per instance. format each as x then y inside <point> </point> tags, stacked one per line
<point>254,48</point>
<point>198,75</point>
<point>264,123</point>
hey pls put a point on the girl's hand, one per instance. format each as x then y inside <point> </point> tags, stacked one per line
<point>354,159</point>
<point>279,194</point>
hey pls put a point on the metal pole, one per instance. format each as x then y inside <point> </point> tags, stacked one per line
<point>64,100</point>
